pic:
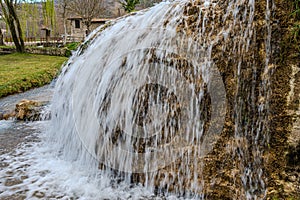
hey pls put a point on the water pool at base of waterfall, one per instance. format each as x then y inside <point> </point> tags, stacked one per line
<point>30,170</point>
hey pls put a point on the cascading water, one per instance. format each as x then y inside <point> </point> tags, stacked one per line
<point>146,97</point>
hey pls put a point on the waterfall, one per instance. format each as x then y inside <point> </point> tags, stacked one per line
<point>158,96</point>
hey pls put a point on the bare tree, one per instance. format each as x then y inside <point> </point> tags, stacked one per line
<point>12,21</point>
<point>64,6</point>
<point>87,10</point>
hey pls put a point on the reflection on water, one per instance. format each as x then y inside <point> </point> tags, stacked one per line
<point>13,133</point>
<point>39,94</point>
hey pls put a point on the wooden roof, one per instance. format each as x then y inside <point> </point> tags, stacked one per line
<point>95,20</point>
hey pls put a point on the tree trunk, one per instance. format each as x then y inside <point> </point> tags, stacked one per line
<point>47,36</point>
<point>20,33</point>
<point>65,27</point>
<point>14,25</point>
<point>1,38</point>
<point>88,26</point>
<point>65,32</point>
<point>14,34</point>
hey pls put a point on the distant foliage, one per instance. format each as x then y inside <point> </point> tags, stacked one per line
<point>129,5</point>
<point>49,15</point>
<point>29,18</point>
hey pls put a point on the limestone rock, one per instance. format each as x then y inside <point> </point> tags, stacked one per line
<point>5,115</point>
<point>28,110</point>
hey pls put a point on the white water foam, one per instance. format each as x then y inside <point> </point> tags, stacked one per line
<point>33,171</point>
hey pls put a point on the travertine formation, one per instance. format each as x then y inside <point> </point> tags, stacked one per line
<point>119,88</point>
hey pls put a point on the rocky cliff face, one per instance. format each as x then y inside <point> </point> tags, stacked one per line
<point>257,154</point>
<point>282,164</point>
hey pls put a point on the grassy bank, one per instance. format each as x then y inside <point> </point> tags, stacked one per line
<point>20,72</point>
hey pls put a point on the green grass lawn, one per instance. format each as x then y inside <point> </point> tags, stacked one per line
<point>20,72</point>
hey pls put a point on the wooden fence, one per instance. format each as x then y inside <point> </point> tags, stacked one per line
<point>55,40</point>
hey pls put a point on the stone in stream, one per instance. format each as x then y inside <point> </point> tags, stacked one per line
<point>6,115</point>
<point>27,110</point>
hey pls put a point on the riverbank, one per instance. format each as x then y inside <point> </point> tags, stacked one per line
<point>21,72</point>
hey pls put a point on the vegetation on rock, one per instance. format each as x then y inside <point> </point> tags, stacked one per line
<point>296,15</point>
<point>71,47</point>
<point>129,5</point>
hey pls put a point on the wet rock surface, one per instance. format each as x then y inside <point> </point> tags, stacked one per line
<point>240,159</point>
<point>273,155</point>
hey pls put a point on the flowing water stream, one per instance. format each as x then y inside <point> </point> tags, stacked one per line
<point>139,110</point>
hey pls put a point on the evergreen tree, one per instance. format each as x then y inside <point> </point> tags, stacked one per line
<point>129,5</point>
